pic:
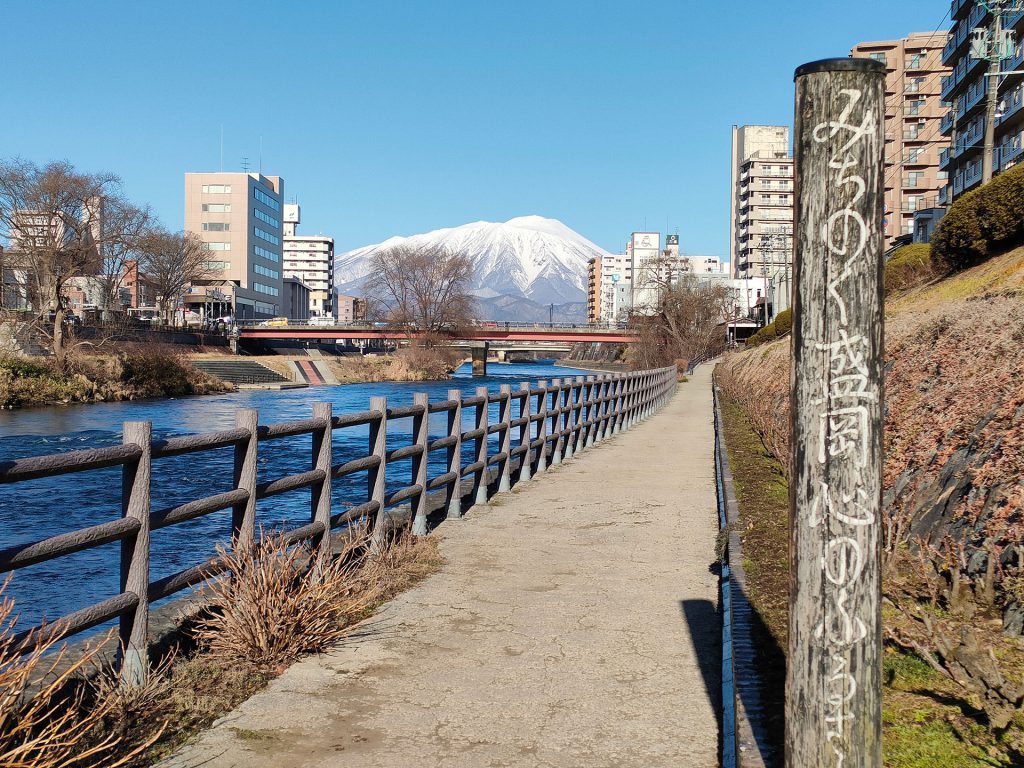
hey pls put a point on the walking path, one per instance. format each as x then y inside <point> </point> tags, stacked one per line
<point>574,624</point>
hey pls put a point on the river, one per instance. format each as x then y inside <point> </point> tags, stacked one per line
<point>46,507</point>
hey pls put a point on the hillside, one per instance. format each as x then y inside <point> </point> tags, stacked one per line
<point>952,560</point>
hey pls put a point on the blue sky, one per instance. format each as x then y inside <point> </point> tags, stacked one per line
<point>398,117</point>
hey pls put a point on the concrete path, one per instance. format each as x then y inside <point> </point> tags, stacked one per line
<point>574,625</point>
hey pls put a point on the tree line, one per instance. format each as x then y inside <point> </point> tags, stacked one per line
<point>61,224</point>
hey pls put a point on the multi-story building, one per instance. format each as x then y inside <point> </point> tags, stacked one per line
<point>965,91</point>
<point>761,240</point>
<point>913,114</point>
<point>615,286</point>
<point>238,218</point>
<point>351,309</point>
<point>311,258</point>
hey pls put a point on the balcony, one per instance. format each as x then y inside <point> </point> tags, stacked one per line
<point>943,196</point>
<point>958,5</point>
<point>945,156</point>
<point>911,182</point>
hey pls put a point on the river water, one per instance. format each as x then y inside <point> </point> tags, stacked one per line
<point>46,507</point>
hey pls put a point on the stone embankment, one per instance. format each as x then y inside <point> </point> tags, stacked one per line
<point>574,623</point>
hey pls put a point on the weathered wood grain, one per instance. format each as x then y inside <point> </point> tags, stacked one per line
<point>833,686</point>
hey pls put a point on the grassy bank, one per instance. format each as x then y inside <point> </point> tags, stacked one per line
<point>125,373</point>
<point>927,720</point>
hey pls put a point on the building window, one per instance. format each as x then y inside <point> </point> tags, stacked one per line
<point>267,289</point>
<point>216,207</point>
<point>264,253</point>
<point>265,217</point>
<point>265,309</point>
<point>264,235</point>
<point>216,226</point>
<point>216,189</point>
<point>878,56</point>
<point>217,265</point>
<point>217,246</point>
<point>266,199</point>
<point>259,269</point>
<point>915,61</point>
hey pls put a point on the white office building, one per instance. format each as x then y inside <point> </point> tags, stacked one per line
<point>311,259</point>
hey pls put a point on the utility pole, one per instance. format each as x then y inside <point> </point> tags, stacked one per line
<point>995,51</point>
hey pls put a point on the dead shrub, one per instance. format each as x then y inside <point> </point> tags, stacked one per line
<point>46,720</point>
<point>278,604</point>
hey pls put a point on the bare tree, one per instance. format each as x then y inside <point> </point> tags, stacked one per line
<point>684,324</point>
<point>170,261</point>
<point>52,218</point>
<point>129,227</point>
<point>424,288</point>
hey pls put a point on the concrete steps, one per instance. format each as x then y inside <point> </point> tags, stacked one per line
<point>240,372</point>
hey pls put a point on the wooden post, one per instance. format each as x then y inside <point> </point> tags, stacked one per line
<point>525,432</point>
<point>556,421</point>
<point>376,477</point>
<point>320,500</point>
<point>453,502</point>
<point>243,515</point>
<point>833,681</point>
<point>591,412</point>
<point>505,478</point>
<point>542,427</point>
<point>421,436</point>
<point>480,488</point>
<point>575,401</point>
<point>135,503</point>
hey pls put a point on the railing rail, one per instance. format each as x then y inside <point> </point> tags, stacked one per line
<point>551,422</point>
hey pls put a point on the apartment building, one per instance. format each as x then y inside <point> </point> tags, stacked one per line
<point>965,91</point>
<point>310,258</point>
<point>350,309</point>
<point>913,117</point>
<point>761,240</point>
<point>238,218</point>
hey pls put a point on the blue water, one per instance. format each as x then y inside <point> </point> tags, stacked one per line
<point>40,508</point>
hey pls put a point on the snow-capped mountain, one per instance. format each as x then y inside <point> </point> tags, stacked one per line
<point>528,257</point>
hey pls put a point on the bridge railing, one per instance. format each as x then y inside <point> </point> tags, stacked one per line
<point>488,325</point>
<point>550,423</point>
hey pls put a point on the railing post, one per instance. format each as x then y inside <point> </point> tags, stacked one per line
<point>320,498</point>
<point>480,487</point>
<point>243,514</point>
<point>453,504</point>
<point>542,427</point>
<point>505,406</point>
<point>591,410</point>
<point>575,415</point>
<point>617,405</point>
<point>421,436</point>
<point>607,408</point>
<point>377,476</point>
<point>833,680</point>
<point>135,504</point>
<point>556,421</point>
<point>525,431</point>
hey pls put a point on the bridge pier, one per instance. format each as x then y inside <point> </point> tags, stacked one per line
<point>479,349</point>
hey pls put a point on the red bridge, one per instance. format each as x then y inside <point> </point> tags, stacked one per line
<point>499,332</point>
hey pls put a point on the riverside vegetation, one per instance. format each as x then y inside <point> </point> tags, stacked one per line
<point>276,606</point>
<point>129,372</point>
<point>953,564</point>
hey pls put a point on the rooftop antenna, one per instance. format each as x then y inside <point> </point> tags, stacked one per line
<point>245,165</point>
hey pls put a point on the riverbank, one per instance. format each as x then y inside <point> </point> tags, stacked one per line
<point>599,366</point>
<point>129,373</point>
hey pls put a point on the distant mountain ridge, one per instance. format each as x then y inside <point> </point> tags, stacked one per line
<point>523,263</point>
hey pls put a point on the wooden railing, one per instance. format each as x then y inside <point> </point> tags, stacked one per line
<point>553,422</point>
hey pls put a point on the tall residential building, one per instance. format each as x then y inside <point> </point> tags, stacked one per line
<point>643,249</point>
<point>761,240</point>
<point>965,91</point>
<point>311,258</point>
<point>913,113</point>
<point>238,218</point>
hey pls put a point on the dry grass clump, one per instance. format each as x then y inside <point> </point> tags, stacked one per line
<point>279,603</point>
<point>46,718</point>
